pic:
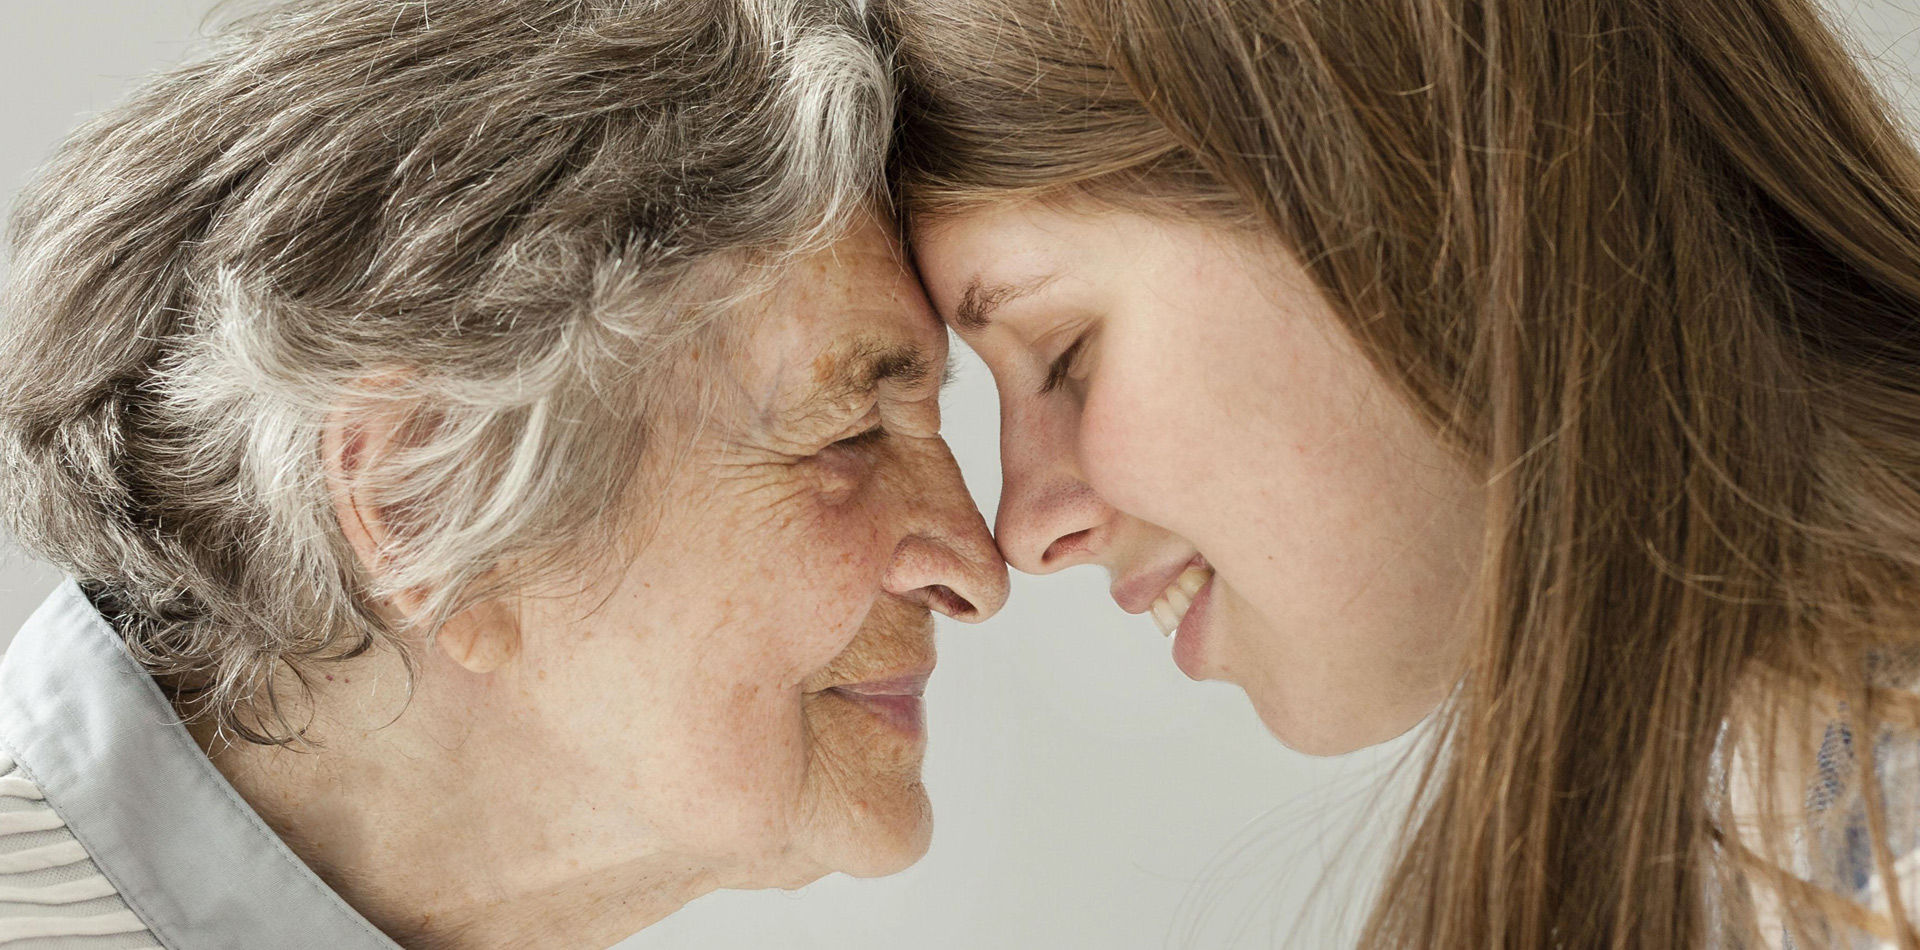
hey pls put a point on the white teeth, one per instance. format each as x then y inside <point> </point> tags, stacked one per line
<point>1164,616</point>
<point>1192,579</point>
<point>1172,606</point>
<point>1179,600</point>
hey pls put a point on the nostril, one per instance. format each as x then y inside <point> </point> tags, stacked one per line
<point>942,598</point>
<point>1066,546</point>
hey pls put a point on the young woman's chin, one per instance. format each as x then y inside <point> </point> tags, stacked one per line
<point>1310,733</point>
<point>1308,710</point>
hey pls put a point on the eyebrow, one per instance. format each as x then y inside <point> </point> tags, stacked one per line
<point>861,366</point>
<point>980,300</point>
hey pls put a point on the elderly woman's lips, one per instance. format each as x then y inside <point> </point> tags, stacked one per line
<point>895,701</point>
<point>912,684</point>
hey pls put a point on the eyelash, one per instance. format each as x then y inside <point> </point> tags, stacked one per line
<point>1062,365</point>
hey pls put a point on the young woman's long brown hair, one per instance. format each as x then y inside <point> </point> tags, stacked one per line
<point>1654,267</point>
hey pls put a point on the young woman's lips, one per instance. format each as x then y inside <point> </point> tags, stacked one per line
<point>895,701</point>
<point>1136,594</point>
<point>1189,643</point>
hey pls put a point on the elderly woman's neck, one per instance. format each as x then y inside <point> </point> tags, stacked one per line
<point>442,819</point>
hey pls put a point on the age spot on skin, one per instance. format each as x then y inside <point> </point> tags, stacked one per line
<point>824,367</point>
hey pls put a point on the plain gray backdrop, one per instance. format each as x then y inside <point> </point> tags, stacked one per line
<point>1081,784</point>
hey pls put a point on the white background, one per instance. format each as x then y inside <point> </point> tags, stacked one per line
<point>1081,784</point>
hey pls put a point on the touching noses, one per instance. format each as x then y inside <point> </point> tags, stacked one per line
<point>947,560</point>
<point>1049,517</point>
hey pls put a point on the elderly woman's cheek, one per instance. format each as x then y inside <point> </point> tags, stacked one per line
<point>818,547</point>
<point>839,474</point>
<point>842,512</point>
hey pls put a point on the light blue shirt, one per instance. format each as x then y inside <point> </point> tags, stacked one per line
<point>94,759</point>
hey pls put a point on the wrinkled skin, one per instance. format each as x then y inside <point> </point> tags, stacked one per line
<point>577,761</point>
<point>785,564</point>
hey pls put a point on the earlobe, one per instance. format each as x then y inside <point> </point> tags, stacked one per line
<point>482,638</point>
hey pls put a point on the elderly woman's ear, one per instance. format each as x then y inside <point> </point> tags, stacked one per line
<point>481,638</point>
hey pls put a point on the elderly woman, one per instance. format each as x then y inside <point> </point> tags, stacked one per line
<point>496,447</point>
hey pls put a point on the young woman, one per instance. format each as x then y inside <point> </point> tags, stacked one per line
<point>1556,366</point>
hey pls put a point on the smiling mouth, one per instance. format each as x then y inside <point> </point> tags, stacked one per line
<point>896,701</point>
<point>1173,603</point>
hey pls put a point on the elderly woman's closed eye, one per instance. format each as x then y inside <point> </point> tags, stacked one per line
<point>509,439</point>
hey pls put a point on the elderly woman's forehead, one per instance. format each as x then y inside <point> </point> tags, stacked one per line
<point>858,287</point>
<point>865,261</point>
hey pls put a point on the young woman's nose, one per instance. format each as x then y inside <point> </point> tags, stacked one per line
<point>1049,517</point>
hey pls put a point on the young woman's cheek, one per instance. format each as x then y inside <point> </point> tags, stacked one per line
<point>1128,452</point>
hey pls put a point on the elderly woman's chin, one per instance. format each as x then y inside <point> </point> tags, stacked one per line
<point>886,820</point>
<point>889,836</point>
<point>897,833</point>
<point>862,809</point>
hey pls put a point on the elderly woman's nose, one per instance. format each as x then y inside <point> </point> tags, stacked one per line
<point>947,560</point>
<point>1049,517</point>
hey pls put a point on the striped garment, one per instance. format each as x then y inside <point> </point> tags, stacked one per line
<point>52,897</point>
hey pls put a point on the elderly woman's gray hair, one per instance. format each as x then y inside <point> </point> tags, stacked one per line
<point>502,220</point>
